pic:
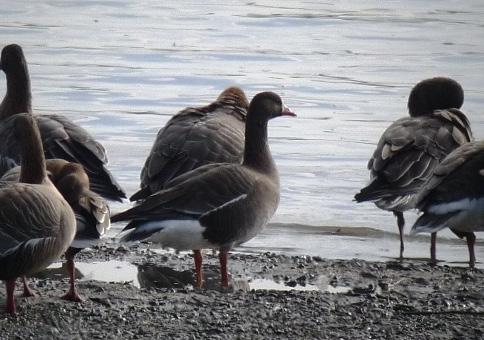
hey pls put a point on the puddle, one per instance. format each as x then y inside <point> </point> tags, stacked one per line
<point>338,289</point>
<point>108,271</point>
<point>154,276</point>
<point>267,284</point>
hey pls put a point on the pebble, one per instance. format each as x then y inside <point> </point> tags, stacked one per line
<point>382,309</point>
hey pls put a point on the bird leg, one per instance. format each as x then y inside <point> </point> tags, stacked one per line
<point>72,294</point>
<point>10,285</point>
<point>471,240</point>
<point>222,255</point>
<point>433,253</point>
<point>27,291</point>
<point>401,224</point>
<point>197,255</point>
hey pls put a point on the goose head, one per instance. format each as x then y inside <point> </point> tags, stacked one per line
<point>435,94</point>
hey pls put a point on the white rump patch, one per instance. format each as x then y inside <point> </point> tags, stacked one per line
<point>465,204</point>
<point>178,234</point>
<point>469,216</point>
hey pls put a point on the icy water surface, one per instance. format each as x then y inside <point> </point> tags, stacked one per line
<point>122,68</point>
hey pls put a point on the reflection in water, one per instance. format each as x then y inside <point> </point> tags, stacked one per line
<point>154,276</point>
<point>57,271</point>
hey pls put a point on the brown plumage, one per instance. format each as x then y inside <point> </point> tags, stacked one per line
<point>37,225</point>
<point>91,211</point>
<point>454,196</point>
<point>61,138</point>
<point>195,137</point>
<point>218,205</point>
<point>411,148</point>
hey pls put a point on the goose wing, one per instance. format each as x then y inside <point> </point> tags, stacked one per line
<point>192,138</point>
<point>204,189</point>
<point>409,150</point>
<point>28,212</point>
<point>63,139</point>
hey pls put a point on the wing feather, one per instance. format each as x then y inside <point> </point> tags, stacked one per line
<point>408,152</point>
<point>197,194</point>
<point>192,138</point>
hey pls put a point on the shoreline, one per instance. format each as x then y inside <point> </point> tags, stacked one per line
<point>382,300</point>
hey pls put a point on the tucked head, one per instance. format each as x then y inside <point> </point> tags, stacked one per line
<point>12,56</point>
<point>435,94</point>
<point>69,178</point>
<point>268,105</point>
<point>236,94</point>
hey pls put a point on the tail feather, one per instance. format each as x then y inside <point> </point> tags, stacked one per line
<point>140,230</point>
<point>122,216</point>
<point>140,194</point>
<point>378,190</point>
<point>431,223</point>
<point>373,192</point>
<point>101,180</point>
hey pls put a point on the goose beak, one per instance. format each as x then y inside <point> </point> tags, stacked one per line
<point>286,111</point>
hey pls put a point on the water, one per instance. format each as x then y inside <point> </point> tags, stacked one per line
<point>122,68</point>
<point>149,276</point>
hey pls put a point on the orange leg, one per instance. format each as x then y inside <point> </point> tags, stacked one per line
<point>72,294</point>
<point>10,285</point>
<point>222,255</point>
<point>198,268</point>
<point>27,291</point>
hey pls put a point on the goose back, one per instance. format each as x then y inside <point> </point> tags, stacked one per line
<point>195,137</point>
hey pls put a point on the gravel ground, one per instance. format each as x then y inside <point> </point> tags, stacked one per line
<point>376,300</point>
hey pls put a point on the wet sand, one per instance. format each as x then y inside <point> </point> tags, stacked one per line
<point>271,296</point>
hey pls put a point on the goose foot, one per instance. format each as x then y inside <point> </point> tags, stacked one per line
<point>27,291</point>
<point>73,296</point>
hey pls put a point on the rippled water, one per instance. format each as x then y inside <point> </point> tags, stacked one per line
<point>122,68</point>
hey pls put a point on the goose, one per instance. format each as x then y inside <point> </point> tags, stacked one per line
<point>195,137</point>
<point>411,148</point>
<point>61,138</point>
<point>90,209</point>
<point>218,205</point>
<point>454,196</point>
<point>37,225</point>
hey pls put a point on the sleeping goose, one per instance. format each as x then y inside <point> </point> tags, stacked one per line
<point>91,211</point>
<point>61,138</point>
<point>218,205</point>
<point>195,137</point>
<point>37,225</point>
<point>411,148</point>
<point>454,196</point>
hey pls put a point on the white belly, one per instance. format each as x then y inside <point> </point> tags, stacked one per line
<point>179,234</point>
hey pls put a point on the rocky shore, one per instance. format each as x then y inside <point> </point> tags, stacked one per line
<point>272,297</point>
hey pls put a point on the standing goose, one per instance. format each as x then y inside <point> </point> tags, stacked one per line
<point>454,196</point>
<point>195,137</point>
<point>90,209</point>
<point>61,138</point>
<point>218,205</point>
<point>411,148</point>
<point>36,223</point>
